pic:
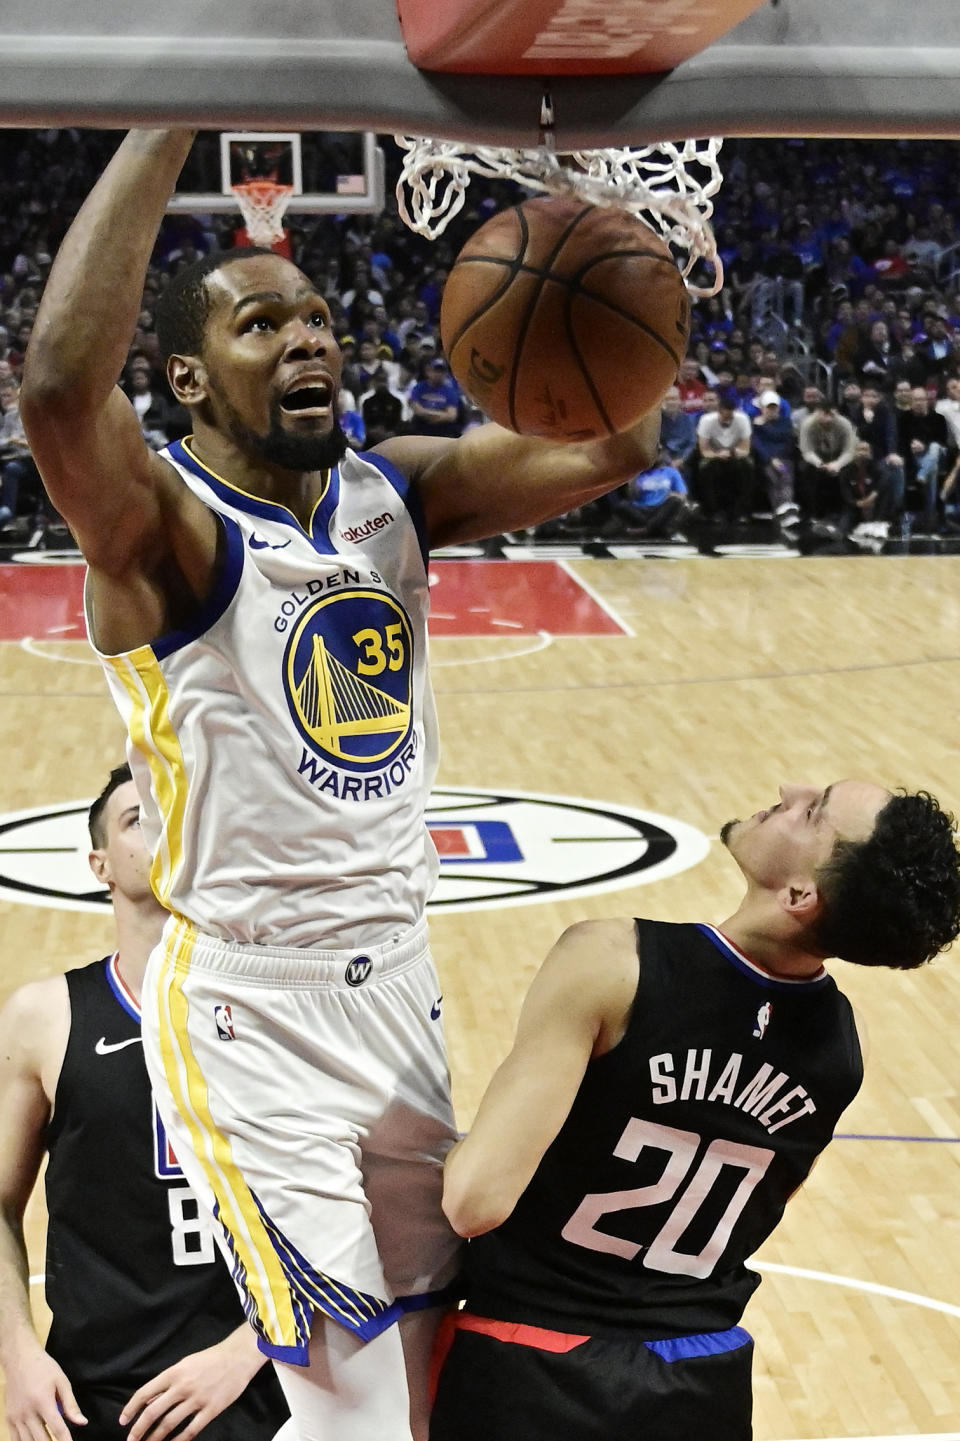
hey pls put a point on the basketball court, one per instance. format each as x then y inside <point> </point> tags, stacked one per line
<point>590,756</point>
<point>602,718</point>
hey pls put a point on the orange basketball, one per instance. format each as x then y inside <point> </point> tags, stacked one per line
<point>564,319</point>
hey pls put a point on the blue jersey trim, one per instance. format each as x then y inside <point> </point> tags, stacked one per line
<point>293,1355</point>
<point>118,994</point>
<point>753,972</point>
<point>322,516</point>
<point>225,588</point>
<point>255,505</point>
<point>408,494</point>
<point>709,1343</point>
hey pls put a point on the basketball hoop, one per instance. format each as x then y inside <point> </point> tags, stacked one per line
<point>262,204</point>
<point>669,186</point>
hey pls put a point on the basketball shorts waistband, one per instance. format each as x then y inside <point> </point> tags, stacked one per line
<point>540,1338</point>
<point>294,966</point>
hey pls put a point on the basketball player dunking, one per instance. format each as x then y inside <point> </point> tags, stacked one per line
<point>147,1333</point>
<point>669,1089</point>
<point>259,599</point>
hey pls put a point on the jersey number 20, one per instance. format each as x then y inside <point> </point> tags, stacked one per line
<point>682,1148</point>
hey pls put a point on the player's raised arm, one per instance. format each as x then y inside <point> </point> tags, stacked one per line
<point>492,480</point>
<point>577,1007</point>
<point>119,498</point>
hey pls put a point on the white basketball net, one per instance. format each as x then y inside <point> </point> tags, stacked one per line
<point>262,204</point>
<point>668,186</point>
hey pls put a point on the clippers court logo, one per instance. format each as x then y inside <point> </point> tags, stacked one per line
<point>347,678</point>
<point>496,848</point>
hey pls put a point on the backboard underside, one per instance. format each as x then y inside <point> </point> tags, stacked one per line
<point>797,67</point>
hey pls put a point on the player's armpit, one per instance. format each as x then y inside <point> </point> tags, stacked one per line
<point>575,1009</point>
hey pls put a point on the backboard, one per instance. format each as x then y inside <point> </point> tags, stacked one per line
<point>329,171</point>
<point>791,67</point>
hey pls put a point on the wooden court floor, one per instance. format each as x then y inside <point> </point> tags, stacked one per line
<point>718,679</point>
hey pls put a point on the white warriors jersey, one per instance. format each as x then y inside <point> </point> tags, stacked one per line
<point>284,744</point>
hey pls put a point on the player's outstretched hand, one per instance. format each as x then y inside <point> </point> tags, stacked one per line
<point>37,1399</point>
<point>193,1391</point>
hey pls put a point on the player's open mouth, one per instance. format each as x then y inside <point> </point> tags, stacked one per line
<point>312,397</point>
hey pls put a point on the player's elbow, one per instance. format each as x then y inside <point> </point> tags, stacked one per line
<point>472,1210</point>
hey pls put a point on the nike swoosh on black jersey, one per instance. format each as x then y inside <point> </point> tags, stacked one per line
<point>104,1047</point>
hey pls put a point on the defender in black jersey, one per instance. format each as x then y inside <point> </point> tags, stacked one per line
<point>669,1089</point>
<point>146,1320</point>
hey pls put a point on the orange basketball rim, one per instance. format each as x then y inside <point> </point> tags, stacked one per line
<point>563,37</point>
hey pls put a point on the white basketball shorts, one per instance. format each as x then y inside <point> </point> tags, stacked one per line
<point>306,1094</point>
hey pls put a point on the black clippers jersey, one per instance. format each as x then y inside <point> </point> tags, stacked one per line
<point>680,1151</point>
<point>134,1278</point>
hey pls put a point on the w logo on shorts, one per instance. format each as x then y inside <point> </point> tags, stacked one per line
<point>358,970</point>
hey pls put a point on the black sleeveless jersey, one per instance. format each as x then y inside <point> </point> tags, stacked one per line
<point>680,1151</point>
<point>134,1278</point>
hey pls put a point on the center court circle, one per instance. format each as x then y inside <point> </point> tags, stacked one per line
<point>497,848</point>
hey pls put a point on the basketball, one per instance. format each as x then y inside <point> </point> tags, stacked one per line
<point>565,320</point>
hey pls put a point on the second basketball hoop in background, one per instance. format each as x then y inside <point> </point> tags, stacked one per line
<point>565,320</point>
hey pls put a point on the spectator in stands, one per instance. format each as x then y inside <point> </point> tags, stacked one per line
<point>725,473</point>
<point>690,386</point>
<point>742,275</point>
<point>764,384</point>
<point>654,505</point>
<point>351,421</point>
<point>435,402</point>
<point>17,469</point>
<point>784,266</point>
<point>382,409</point>
<point>949,408</point>
<point>678,429</point>
<point>812,396</point>
<point>922,441</point>
<point>875,356</point>
<point>891,269</point>
<point>359,376</point>
<point>828,443</point>
<point>362,295</point>
<point>875,423</point>
<point>152,406</point>
<point>861,491</point>
<point>773,446</point>
<point>935,349</point>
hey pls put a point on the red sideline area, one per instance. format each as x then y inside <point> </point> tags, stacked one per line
<point>562,37</point>
<point>468,598</point>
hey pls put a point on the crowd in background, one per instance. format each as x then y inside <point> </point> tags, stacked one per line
<point>820,396</point>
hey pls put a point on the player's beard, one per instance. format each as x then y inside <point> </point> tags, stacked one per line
<point>277,446</point>
<point>725,832</point>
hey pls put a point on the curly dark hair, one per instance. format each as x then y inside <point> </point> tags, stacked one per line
<point>181,312</point>
<point>893,899</point>
<point>98,834</point>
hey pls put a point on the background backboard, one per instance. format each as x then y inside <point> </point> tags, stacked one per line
<point>330,171</point>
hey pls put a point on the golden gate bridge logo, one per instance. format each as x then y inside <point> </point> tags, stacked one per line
<point>348,670</point>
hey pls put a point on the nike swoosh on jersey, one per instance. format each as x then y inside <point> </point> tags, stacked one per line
<point>255,543</point>
<point>104,1047</point>
<point>435,1009</point>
